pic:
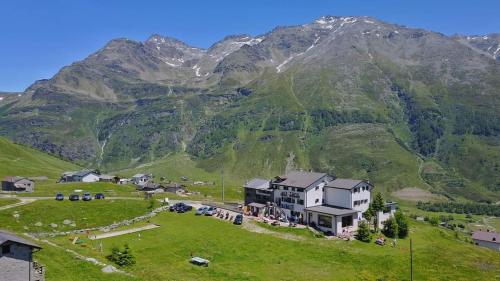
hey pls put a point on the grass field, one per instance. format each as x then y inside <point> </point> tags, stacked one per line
<point>51,188</point>
<point>18,160</point>
<point>236,254</point>
<point>84,214</point>
<point>8,201</point>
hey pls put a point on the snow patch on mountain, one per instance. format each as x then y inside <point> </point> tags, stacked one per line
<point>196,69</point>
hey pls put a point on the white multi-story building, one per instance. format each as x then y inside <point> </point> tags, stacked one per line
<point>333,205</point>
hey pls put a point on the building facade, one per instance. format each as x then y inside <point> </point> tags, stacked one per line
<point>18,184</point>
<point>16,259</point>
<point>258,191</point>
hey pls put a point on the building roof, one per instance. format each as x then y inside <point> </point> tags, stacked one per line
<point>83,173</point>
<point>13,179</point>
<point>257,205</point>
<point>486,236</point>
<point>257,184</point>
<point>299,179</point>
<point>6,237</point>
<point>106,177</point>
<point>138,175</point>
<point>345,183</point>
<point>331,210</point>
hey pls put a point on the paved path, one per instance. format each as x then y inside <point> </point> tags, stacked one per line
<point>122,232</point>
<point>53,197</point>
<point>23,201</point>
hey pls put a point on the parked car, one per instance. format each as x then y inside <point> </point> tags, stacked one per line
<point>74,197</point>
<point>86,197</point>
<point>59,197</point>
<point>174,207</point>
<point>211,211</point>
<point>201,210</point>
<point>184,208</point>
<point>238,219</point>
<point>99,196</point>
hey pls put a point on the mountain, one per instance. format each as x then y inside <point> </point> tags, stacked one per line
<point>17,160</point>
<point>353,96</point>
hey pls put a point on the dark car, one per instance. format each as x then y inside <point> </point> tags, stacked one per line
<point>59,197</point>
<point>174,207</point>
<point>99,196</point>
<point>74,197</point>
<point>238,219</point>
<point>86,197</point>
<point>184,208</point>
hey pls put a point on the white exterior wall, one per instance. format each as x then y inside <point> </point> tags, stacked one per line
<point>361,195</point>
<point>90,178</point>
<point>488,244</point>
<point>314,194</point>
<point>338,197</point>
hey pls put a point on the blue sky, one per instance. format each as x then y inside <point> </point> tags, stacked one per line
<point>37,38</point>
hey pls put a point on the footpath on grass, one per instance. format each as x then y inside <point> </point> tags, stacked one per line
<point>123,232</point>
<point>23,201</point>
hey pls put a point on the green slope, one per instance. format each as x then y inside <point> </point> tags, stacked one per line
<point>18,160</point>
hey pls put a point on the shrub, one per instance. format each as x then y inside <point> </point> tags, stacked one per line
<point>363,233</point>
<point>434,221</point>
<point>124,258</point>
<point>402,222</point>
<point>390,228</point>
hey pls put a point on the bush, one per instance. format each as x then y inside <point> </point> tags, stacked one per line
<point>363,233</point>
<point>390,228</point>
<point>434,221</point>
<point>402,222</point>
<point>124,258</point>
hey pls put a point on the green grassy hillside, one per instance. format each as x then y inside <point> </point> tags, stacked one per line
<point>18,160</point>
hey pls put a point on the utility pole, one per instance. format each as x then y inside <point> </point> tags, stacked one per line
<point>411,261</point>
<point>222,176</point>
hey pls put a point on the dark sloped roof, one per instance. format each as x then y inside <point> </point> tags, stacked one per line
<point>299,179</point>
<point>12,179</point>
<point>345,183</point>
<point>258,184</point>
<point>6,237</point>
<point>331,210</point>
<point>486,236</point>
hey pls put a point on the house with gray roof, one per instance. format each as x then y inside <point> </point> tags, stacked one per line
<point>16,259</point>
<point>80,176</point>
<point>258,191</point>
<point>333,205</point>
<point>18,184</point>
<point>488,239</point>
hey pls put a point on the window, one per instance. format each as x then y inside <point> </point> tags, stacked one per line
<point>347,221</point>
<point>317,187</point>
<point>316,201</point>
<point>5,249</point>
<point>324,221</point>
<point>301,202</point>
<point>285,188</point>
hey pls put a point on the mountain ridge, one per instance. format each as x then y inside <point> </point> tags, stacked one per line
<point>263,102</point>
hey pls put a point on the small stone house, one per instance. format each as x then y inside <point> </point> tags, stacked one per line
<point>487,239</point>
<point>18,184</point>
<point>16,259</point>
<point>80,176</point>
<point>141,179</point>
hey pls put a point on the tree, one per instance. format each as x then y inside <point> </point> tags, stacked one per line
<point>434,221</point>
<point>368,214</point>
<point>402,222</point>
<point>363,233</point>
<point>376,206</point>
<point>390,228</point>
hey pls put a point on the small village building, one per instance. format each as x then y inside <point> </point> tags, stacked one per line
<point>488,239</point>
<point>258,191</point>
<point>141,179</point>
<point>18,184</point>
<point>389,210</point>
<point>332,220</point>
<point>80,176</point>
<point>174,187</point>
<point>16,259</point>
<point>124,181</point>
<point>108,178</point>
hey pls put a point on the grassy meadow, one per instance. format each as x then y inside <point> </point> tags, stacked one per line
<point>237,254</point>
